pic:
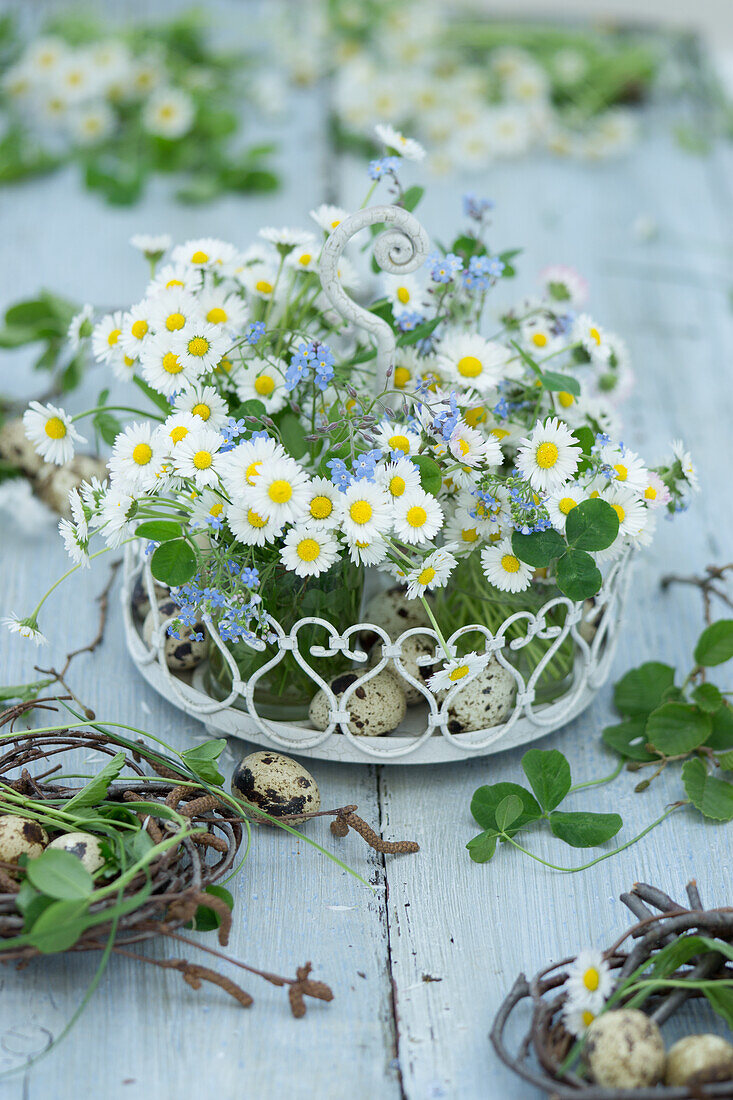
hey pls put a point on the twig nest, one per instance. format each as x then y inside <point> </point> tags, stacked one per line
<point>375,707</point>
<point>55,482</point>
<point>182,653</point>
<point>394,613</point>
<point>86,848</point>
<point>276,784</point>
<point>140,600</point>
<point>20,836</point>
<point>417,645</point>
<point>699,1060</point>
<point>17,449</point>
<point>485,701</point>
<point>625,1050</point>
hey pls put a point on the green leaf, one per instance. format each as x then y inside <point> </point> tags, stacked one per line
<point>578,576</point>
<point>584,830</point>
<point>507,812</point>
<point>642,689</point>
<point>96,790</point>
<point>538,549</point>
<point>591,525</point>
<point>107,425</point>
<point>202,760</point>
<point>722,735</point>
<point>708,698</point>
<point>29,313</point>
<point>431,478</point>
<point>60,875</point>
<point>60,925</point>
<point>486,800</point>
<point>252,407</point>
<point>548,773</point>
<point>412,197</point>
<point>173,562</point>
<point>420,332</point>
<point>720,998</point>
<point>629,739</point>
<point>711,796</point>
<point>206,919</point>
<point>676,728</point>
<point>483,847</point>
<point>560,383</point>
<point>715,644</point>
<point>293,434</point>
<point>157,398</point>
<point>159,530</point>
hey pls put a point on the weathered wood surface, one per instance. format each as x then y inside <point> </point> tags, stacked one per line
<point>420,965</point>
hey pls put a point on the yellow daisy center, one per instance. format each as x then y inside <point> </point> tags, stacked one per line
<point>280,491</point>
<point>173,282</point>
<point>399,443</point>
<point>55,428</point>
<point>397,485</point>
<point>539,340</point>
<point>499,433</point>
<point>178,433</point>
<point>566,399</point>
<point>251,472</point>
<point>128,361</point>
<point>263,286</point>
<point>620,512</point>
<point>361,511</point>
<point>308,549</point>
<point>142,454</point>
<point>458,673</point>
<point>321,507</point>
<point>200,257</point>
<point>469,534</point>
<point>566,504</point>
<point>475,416</point>
<point>202,460</point>
<point>591,979</point>
<point>509,563</point>
<point>114,336</point>
<point>587,1017</point>
<point>139,329</point>
<point>427,575</point>
<point>622,472</point>
<point>305,258</point>
<point>469,366</point>
<point>216,510</point>
<point>198,346</point>
<point>255,519</point>
<point>171,363</point>
<point>201,410</point>
<point>174,321</point>
<point>264,385</point>
<point>595,335</point>
<point>546,455</point>
<point>217,316</point>
<point>463,446</point>
<point>225,364</point>
<point>650,493</point>
<point>403,295</point>
<point>401,377</point>
<point>416,516</point>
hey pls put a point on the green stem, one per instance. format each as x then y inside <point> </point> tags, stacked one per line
<point>116,408</point>
<point>598,782</point>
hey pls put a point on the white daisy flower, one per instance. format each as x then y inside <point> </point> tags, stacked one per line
<point>106,337</point>
<point>136,328</point>
<point>241,467</point>
<point>464,531</point>
<point>403,146</point>
<point>75,544</point>
<point>205,403</point>
<point>549,456</point>
<point>80,327</point>
<point>281,490</point>
<point>327,217</point>
<point>367,511</point>
<point>175,277</point>
<point>687,466</point>
<point>169,113</point>
<point>561,503</point>
<point>153,247</point>
<point>417,517</point>
<point>206,253</point>
<point>538,336</point>
<point>260,279</point>
<point>197,457</point>
<point>304,257</point>
<point>200,345</point>
<point>399,477</point>
<point>137,458</point>
<point>27,628</point>
<point>309,551</point>
<point>627,506</point>
<point>577,1019</point>
<point>251,527</point>
<point>209,509</point>
<point>174,308</point>
<point>471,448</point>
<point>51,432</point>
<point>630,470</point>
<point>91,123</point>
<point>503,569</point>
<point>564,286</point>
<point>408,367</point>
<point>589,979</point>
<point>177,427</point>
<point>456,670</point>
<point>396,439</point>
<point>162,366</point>
<point>472,360</point>
<point>262,381</point>
<point>78,513</point>
<point>218,307</point>
<point>403,292</point>
<point>116,512</point>
<point>286,238</point>
<point>433,572</point>
<point>323,505</point>
<point>655,494</point>
<point>591,336</point>
<point>45,54</point>
<point>368,551</point>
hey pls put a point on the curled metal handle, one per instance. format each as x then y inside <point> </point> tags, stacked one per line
<point>398,250</point>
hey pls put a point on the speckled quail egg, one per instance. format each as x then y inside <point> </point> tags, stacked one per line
<point>417,645</point>
<point>624,1050</point>
<point>485,701</point>
<point>19,836</point>
<point>16,448</point>
<point>55,482</point>
<point>183,653</point>
<point>276,784</point>
<point>699,1060</point>
<point>394,613</point>
<point>140,601</point>
<point>377,706</point>
<point>84,846</point>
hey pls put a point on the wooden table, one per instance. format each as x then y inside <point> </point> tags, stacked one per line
<point>420,962</point>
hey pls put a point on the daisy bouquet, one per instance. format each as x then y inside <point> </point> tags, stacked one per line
<point>127,103</point>
<point>481,470</point>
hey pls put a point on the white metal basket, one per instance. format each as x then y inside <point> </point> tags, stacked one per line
<point>424,737</point>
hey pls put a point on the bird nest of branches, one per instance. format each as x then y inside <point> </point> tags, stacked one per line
<point>544,1056</point>
<point>193,842</point>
